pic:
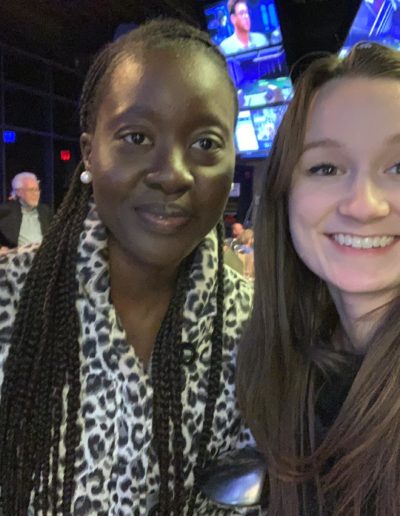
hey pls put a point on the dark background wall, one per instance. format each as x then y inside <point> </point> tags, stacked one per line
<point>45,49</point>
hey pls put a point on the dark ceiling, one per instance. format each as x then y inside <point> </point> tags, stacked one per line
<point>67,29</point>
<point>70,31</point>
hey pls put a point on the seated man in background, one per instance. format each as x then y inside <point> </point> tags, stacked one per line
<point>22,219</point>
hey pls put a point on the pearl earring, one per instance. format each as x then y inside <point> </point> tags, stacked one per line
<point>86,177</point>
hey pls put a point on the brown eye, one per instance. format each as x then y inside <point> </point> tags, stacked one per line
<point>207,144</point>
<point>137,139</point>
<point>324,169</point>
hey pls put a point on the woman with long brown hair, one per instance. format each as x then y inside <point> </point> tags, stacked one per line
<point>319,369</point>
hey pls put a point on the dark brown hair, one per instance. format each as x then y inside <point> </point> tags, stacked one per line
<point>289,340</point>
<point>43,360</point>
<point>232,5</point>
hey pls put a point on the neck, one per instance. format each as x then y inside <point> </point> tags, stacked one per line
<point>359,314</point>
<point>26,206</point>
<point>136,283</point>
<point>243,36</point>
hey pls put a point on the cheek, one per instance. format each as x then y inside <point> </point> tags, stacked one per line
<point>302,218</point>
<point>215,191</point>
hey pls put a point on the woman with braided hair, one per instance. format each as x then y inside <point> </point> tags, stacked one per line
<point>118,335</point>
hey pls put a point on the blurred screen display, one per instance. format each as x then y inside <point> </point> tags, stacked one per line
<point>265,92</point>
<point>258,18</point>
<point>376,20</point>
<point>256,130</point>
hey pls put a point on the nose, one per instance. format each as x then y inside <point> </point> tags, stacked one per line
<point>171,175</point>
<point>365,201</point>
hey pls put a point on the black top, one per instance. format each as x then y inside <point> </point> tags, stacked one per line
<point>332,390</point>
<point>11,218</point>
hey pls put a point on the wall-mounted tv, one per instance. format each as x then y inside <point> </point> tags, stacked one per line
<point>376,20</point>
<point>256,129</point>
<point>249,26</point>
<point>252,66</point>
<point>265,92</point>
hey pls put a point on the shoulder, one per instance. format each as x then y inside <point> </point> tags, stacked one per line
<point>14,267</point>
<point>229,44</point>
<point>258,38</point>
<point>45,209</point>
<point>9,207</point>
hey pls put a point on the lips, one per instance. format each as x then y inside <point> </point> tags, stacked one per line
<point>161,218</point>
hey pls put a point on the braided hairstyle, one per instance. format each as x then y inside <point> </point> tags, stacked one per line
<point>43,361</point>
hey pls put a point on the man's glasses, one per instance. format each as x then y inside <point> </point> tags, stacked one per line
<point>30,190</point>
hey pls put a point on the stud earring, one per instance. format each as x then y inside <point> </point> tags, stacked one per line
<point>86,177</point>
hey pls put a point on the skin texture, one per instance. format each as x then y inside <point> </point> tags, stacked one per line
<point>156,149</point>
<point>348,181</point>
<point>29,192</point>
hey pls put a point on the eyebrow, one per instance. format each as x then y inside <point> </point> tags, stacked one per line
<point>325,142</point>
<point>148,112</point>
<point>137,110</point>
<point>328,142</point>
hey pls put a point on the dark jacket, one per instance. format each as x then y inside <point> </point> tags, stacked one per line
<point>11,218</point>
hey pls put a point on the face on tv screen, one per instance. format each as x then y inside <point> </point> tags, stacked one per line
<point>376,20</point>
<point>246,27</point>
<point>256,129</point>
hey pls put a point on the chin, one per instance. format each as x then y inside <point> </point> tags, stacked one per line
<point>161,258</point>
<point>367,287</point>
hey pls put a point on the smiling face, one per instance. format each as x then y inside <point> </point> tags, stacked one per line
<point>162,154</point>
<point>344,204</point>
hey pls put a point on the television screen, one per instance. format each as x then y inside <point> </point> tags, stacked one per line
<point>265,92</point>
<point>252,66</point>
<point>256,129</point>
<point>250,26</point>
<point>376,20</point>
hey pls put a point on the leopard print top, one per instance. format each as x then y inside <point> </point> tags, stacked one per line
<point>116,467</point>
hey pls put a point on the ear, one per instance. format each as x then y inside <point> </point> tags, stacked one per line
<point>233,19</point>
<point>86,149</point>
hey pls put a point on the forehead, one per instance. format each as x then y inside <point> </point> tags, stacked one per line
<point>362,101</point>
<point>355,109</point>
<point>168,78</point>
<point>240,6</point>
<point>28,181</point>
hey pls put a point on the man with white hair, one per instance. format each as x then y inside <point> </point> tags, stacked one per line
<point>23,220</point>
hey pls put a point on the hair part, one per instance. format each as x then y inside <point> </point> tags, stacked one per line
<point>293,321</point>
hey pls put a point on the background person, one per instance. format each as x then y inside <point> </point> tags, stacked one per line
<point>319,372</point>
<point>23,220</point>
<point>242,38</point>
<point>236,230</point>
<point>245,251</point>
<point>119,362</point>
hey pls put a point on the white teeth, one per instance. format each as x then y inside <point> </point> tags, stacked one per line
<point>359,242</point>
